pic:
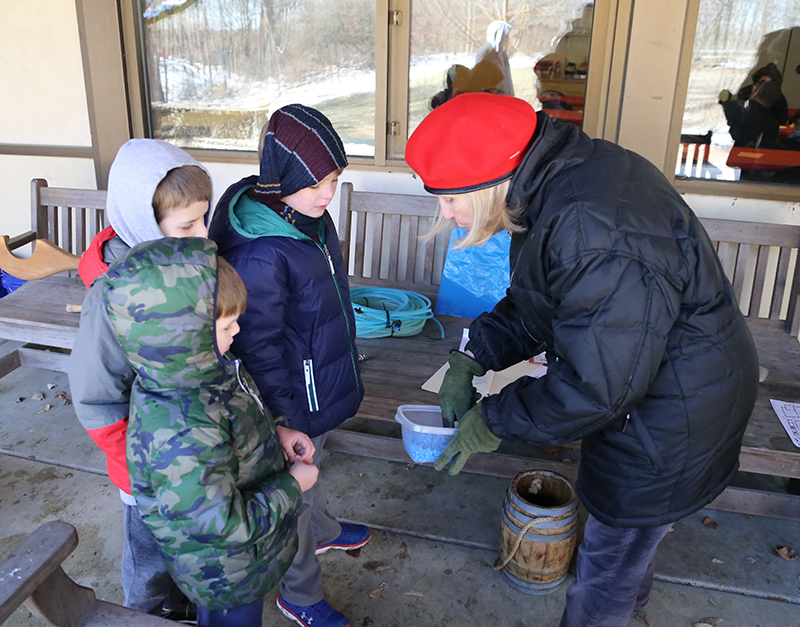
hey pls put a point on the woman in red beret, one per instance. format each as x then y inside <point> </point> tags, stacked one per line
<point>651,363</point>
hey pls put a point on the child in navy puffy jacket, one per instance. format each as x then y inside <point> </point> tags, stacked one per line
<point>297,336</point>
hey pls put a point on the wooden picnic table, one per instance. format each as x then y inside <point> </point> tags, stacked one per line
<point>36,314</point>
<point>396,368</point>
<point>37,311</point>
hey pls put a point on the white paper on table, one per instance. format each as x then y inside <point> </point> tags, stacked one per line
<point>789,415</point>
<point>492,382</point>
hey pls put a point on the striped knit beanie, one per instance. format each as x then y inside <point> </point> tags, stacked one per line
<point>300,149</point>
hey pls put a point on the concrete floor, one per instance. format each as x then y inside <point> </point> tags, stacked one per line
<point>435,537</point>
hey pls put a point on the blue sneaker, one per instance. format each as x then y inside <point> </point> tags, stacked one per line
<point>352,537</point>
<point>318,615</point>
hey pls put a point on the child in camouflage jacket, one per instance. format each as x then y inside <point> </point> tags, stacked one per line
<point>208,469</point>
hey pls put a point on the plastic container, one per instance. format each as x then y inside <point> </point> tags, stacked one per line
<point>424,437</point>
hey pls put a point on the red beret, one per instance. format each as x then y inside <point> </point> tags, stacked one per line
<point>471,142</point>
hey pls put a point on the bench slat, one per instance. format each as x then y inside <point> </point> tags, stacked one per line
<point>387,249</point>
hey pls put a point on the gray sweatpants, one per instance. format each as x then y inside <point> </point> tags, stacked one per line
<point>145,579</point>
<point>302,583</point>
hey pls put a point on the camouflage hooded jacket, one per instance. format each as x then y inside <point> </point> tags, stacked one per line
<point>205,463</point>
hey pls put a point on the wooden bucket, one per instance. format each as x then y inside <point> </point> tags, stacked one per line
<point>537,536</point>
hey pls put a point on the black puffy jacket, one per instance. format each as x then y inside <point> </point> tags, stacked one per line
<point>650,361</point>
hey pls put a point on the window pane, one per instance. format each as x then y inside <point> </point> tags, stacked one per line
<point>742,132</point>
<point>538,51</point>
<point>217,68</point>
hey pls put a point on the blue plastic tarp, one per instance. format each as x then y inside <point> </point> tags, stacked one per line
<point>475,278</point>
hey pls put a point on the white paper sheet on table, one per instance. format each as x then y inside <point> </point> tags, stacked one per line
<point>492,382</point>
<point>789,415</point>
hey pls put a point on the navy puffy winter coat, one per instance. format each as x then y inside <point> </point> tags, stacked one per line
<point>650,361</point>
<point>297,336</point>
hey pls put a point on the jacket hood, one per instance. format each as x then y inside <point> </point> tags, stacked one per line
<point>496,33</point>
<point>252,219</point>
<point>138,168</point>
<point>160,299</point>
<point>555,147</point>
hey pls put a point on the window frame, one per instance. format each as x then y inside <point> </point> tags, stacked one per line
<point>605,91</point>
<point>392,58</point>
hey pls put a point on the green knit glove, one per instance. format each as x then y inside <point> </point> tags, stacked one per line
<point>457,393</point>
<point>473,437</point>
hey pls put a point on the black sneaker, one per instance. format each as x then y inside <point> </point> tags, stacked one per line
<point>184,613</point>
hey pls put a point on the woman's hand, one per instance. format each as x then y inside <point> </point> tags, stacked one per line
<point>296,444</point>
<point>473,436</point>
<point>457,394</point>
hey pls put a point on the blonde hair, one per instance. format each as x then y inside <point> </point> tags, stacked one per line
<point>180,188</point>
<point>490,215</point>
<point>231,292</point>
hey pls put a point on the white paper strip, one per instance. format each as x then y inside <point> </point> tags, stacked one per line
<point>789,415</point>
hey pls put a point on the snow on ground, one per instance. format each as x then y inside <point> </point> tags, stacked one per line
<point>216,90</point>
<point>191,84</point>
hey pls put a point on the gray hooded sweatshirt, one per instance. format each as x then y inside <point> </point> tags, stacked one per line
<point>100,377</point>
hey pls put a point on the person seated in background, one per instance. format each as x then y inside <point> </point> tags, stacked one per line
<point>753,123</point>
<point>770,72</point>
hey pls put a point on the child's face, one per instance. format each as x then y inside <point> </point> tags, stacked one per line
<point>312,201</point>
<point>226,328</point>
<point>186,221</point>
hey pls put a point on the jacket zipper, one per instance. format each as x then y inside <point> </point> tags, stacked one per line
<point>273,429</point>
<point>247,389</point>
<point>353,358</point>
<point>311,389</point>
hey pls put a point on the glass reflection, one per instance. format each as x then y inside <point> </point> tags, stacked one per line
<point>740,118</point>
<point>538,51</point>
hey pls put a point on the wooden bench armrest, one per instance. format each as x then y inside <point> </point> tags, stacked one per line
<point>20,240</point>
<point>32,574</point>
<point>46,260</point>
<point>33,562</point>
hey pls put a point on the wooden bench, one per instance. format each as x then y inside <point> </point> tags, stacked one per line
<point>32,575</point>
<point>380,240</point>
<point>380,234</point>
<point>63,223</point>
<point>761,263</point>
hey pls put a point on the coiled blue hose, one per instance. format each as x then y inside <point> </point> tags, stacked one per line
<point>390,312</point>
